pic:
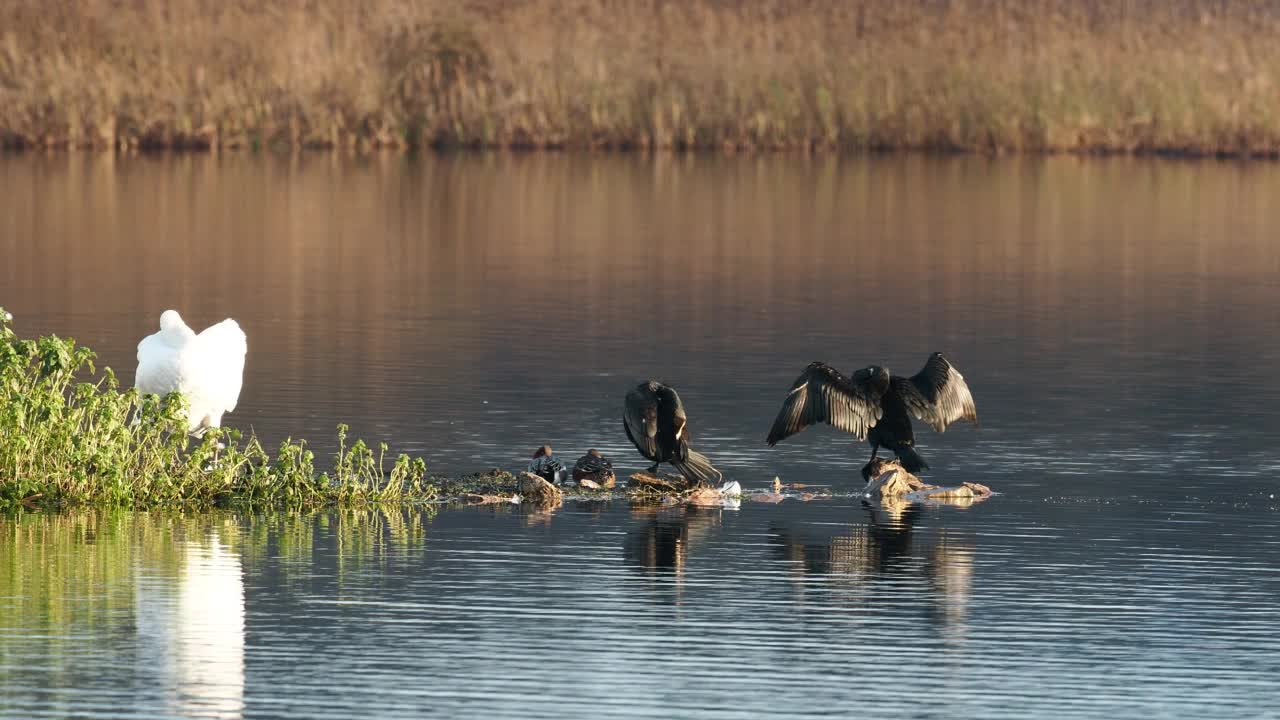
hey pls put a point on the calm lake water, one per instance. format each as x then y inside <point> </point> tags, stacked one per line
<point>1118,322</point>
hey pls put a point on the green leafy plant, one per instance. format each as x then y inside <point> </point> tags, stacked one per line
<point>69,435</point>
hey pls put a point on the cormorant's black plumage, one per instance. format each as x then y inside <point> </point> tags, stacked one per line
<point>654,419</point>
<point>877,406</point>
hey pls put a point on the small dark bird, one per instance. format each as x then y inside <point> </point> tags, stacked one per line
<point>877,406</point>
<point>546,466</point>
<point>594,467</point>
<point>656,424</point>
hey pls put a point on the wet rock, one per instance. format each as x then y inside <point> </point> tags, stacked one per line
<point>960,492</point>
<point>535,489</point>
<point>728,494</point>
<point>890,480</point>
<point>979,490</point>
<point>706,496</point>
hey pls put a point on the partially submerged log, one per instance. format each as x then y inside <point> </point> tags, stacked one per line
<point>647,482</point>
<point>535,489</point>
<point>483,499</point>
<point>888,479</point>
<point>676,489</point>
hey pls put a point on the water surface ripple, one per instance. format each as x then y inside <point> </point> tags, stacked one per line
<point>1117,320</point>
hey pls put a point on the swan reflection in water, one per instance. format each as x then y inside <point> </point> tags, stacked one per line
<point>890,547</point>
<point>191,630</point>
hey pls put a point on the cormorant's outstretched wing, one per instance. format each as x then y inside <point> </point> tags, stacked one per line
<point>937,394</point>
<point>640,418</point>
<point>822,394</point>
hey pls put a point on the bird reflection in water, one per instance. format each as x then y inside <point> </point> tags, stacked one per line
<point>192,626</point>
<point>890,546</point>
<point>660,540</point>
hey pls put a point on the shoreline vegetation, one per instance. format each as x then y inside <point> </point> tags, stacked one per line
<point>70,436</point>
<point>1181,77</point>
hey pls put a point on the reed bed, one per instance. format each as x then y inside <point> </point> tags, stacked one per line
<point>69,435</point>
<point>1176,76</point>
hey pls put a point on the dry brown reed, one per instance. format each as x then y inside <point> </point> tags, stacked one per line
<point>1177,76</point>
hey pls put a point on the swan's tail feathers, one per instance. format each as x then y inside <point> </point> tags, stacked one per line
<point>698,469</point>
<point>910,459</point>
<point>226,338</point>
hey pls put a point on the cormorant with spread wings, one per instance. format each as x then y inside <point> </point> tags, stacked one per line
<point>654,419</point>
<point>877,406</point>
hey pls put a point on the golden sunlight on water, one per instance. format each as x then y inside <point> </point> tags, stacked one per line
<point>433,301</point>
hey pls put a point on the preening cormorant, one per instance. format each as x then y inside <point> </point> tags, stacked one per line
<point>877,406</point>
<point>654,419</point>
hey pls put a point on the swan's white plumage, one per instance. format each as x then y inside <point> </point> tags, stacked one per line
<point>207,369</point>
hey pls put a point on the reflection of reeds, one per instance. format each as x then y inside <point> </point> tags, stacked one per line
<point>48,563</point>
<point>1123,75</point>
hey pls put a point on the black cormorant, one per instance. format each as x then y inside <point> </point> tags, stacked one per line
<point>656,424</point>
<point>877,406</point>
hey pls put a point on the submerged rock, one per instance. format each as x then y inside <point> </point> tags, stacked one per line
<point>535,489</point>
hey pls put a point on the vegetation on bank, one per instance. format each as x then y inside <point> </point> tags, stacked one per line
<point>69,435</point>
<point>1180,76</point>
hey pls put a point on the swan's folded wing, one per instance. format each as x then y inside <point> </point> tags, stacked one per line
<point>220,351</point>
<point>937,394</point>
<point>640,418</point>
<point>822,394</point>
<point>158,367</point>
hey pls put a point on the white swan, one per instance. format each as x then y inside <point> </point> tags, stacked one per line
<point>207,368</point>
